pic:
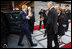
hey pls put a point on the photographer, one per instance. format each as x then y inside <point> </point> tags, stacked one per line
<point>42,17</point>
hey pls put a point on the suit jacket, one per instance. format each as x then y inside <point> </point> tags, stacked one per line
<point>24,21</point>
<point>52,27</point>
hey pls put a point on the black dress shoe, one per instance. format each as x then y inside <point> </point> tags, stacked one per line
<point>32,32</point>
<point>55,47</point>
<point>33,45</point>
<point>20,44</point>
<point>66,30</point>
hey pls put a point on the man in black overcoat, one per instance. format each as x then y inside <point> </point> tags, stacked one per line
<point>51,26</point>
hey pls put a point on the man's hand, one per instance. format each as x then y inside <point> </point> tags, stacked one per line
<point>58,24</point>
<point>41,19</point>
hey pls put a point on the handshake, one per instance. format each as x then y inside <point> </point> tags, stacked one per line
<point>29,12</point>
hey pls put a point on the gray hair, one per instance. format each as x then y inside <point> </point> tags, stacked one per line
<point>51,2</point>
<point>24,6</point>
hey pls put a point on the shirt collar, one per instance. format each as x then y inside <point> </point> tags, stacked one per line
<point>25,12</point>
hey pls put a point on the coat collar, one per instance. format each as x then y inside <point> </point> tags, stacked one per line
<point>51,7</point>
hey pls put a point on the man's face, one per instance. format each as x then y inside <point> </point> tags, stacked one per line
<point>26,8</point>
<point>48,5</point>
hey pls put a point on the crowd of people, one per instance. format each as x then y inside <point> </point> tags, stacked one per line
<point>54,19</point>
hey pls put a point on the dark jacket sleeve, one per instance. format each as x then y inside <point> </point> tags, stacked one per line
<point>55,18</point>
<point>23,15</point>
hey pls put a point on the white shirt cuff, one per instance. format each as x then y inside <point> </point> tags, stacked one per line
<point>27,17</point>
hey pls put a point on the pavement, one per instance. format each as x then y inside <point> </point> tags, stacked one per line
<point>37,38</point>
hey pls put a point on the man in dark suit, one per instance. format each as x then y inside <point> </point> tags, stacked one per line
<point>25,26</point>
<point>42,17</point>
<point>67,16</point>
<point>51,26</point>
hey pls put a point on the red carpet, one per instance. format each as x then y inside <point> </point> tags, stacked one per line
<point>67,45</point>
<point>37,27</point>
<point>69,21</point>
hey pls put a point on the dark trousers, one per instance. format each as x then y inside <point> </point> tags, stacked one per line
<point>31,24</point>
<point>44,22</point>
<point>50,39</point>
<point>28,35</point>
<point>4,40</point>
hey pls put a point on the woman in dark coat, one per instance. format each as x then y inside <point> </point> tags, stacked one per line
<point>61,22</point>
